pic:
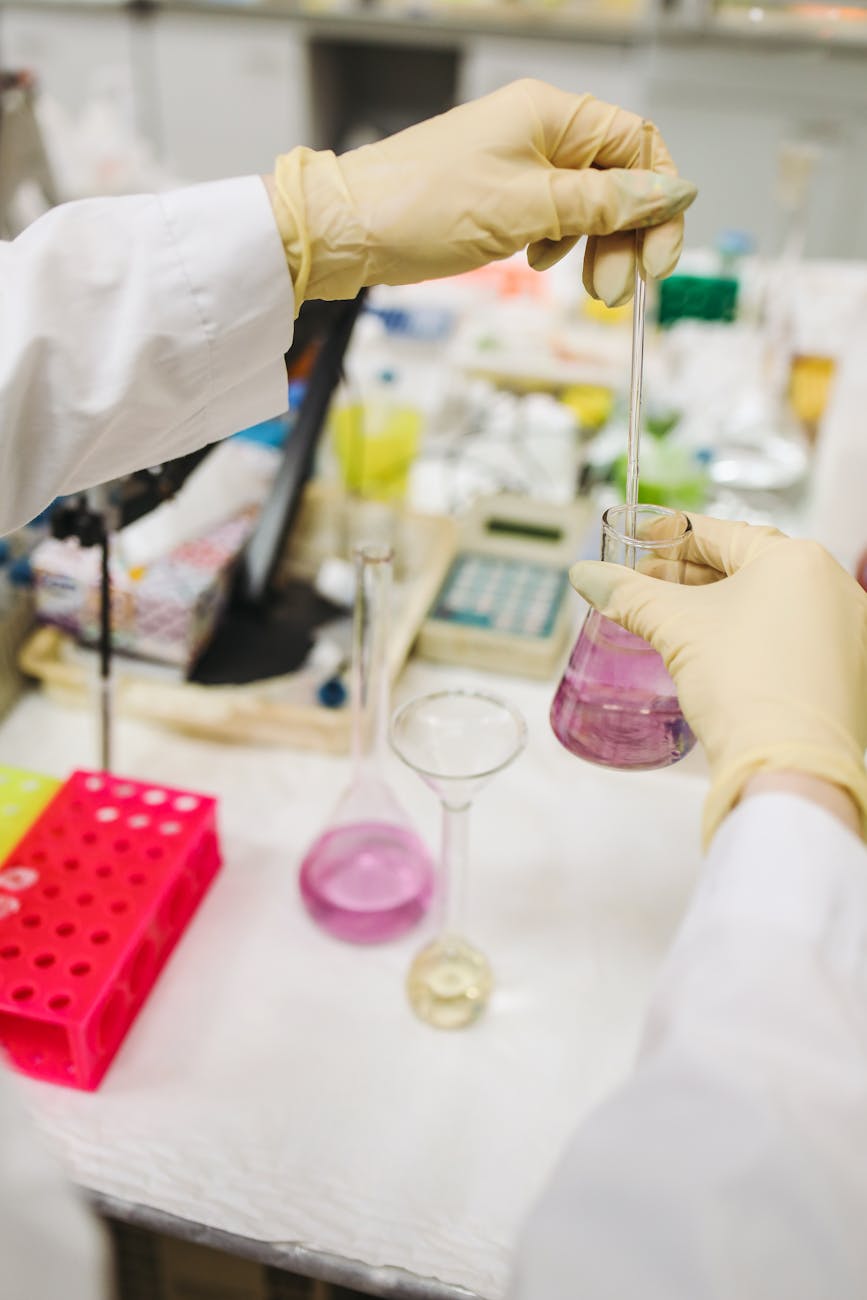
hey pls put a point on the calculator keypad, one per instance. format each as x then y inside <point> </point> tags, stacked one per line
<point>513,597</point>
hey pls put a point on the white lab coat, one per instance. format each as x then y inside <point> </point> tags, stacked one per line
<point>133,330</point>
<point>733,1164</point>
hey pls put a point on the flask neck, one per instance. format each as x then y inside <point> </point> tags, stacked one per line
<point>370,668</point>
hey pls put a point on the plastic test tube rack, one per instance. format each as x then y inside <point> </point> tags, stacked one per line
<point>105,881</point>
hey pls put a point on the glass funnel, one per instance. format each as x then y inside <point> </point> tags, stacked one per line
<point>456,741</point>
<point>368,877</point>
<point>616,703</point>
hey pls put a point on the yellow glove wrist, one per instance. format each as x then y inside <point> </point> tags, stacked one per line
<point>291,216</point>
<point>839,769</point>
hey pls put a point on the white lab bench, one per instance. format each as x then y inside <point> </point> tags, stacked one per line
<point>276,1097</point>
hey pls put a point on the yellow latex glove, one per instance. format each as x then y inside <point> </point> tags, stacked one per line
<point>527,165</point>
<point>767,647</point>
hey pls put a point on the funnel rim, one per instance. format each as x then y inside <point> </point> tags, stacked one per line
<point>490,698</point>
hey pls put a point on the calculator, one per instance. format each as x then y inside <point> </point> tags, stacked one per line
<point>506,603</point>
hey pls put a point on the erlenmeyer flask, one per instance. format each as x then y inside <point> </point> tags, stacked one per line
<point>616,703</point>
<point>368,877</point>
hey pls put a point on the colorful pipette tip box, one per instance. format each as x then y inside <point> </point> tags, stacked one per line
<point>97,893</point>
<point>23,796</point>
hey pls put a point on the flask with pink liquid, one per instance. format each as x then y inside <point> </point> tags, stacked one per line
<point>368,877</point>
<point>616,704</point>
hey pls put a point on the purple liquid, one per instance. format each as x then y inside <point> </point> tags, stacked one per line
<point>367,882</point>
<point>616,703</point>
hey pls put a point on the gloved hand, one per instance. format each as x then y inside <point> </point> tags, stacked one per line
<point>527,165</point>
<point>767,645</point>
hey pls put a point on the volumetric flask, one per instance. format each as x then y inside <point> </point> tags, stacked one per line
<point>616,703</point>
<point>368,877</point>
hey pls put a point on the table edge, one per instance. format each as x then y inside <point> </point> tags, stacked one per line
<point>321,1265</point>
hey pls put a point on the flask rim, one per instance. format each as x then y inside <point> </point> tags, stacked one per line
<point>639,535</point>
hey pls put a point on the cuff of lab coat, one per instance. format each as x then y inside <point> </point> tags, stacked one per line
<point>781,863</point>
<point>233,261</point>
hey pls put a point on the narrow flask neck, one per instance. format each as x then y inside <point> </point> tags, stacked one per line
<point>370,665</point>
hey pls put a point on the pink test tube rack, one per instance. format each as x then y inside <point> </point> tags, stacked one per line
<point>95,896</point>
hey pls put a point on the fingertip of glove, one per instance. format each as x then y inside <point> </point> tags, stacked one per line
<point>621,299</point>
<point>611,273</point>
<point>587,270</point>
<point>681,193</point>
<point>545,253</point>
<point>593,579</point>
<point>641,198</point>
<point>661,249</point>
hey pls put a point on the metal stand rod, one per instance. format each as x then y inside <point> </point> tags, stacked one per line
<point>105,658</point>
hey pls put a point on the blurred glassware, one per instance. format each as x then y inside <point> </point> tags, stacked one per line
<point>368,877</point>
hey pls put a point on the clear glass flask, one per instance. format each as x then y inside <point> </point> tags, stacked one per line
<point>616,704</point>
<point>368,877</point>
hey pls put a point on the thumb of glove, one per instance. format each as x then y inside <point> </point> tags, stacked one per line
<point>593,201</point>
<point>641,604</point>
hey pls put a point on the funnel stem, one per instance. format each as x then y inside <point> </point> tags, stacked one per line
<point>454,866</point>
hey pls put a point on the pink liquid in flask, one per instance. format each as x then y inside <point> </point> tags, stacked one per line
<point>367,881</point>
<point>616,704</point>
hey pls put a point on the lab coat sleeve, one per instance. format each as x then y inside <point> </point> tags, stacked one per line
<point>133,330</point>
<point>733,1164</point>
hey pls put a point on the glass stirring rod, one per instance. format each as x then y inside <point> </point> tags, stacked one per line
<point>645,162</point>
